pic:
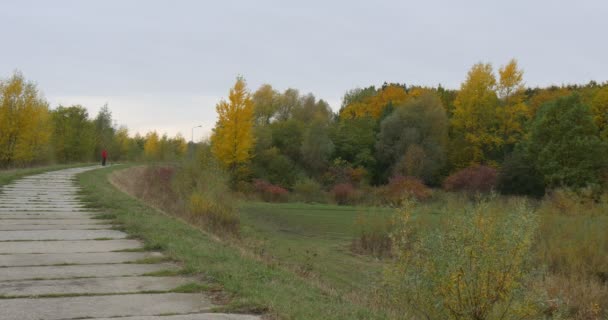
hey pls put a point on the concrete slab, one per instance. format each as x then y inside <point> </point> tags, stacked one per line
<point>7,222</point>
<point>197,316</point>
<point>81,271</point>
<point>110,285</point>
<point>103,306</point>
<point>60,235</point>
<point>67,246</point>
<point>48,259</point>
<point>45,215</point>
<point>30,227</point>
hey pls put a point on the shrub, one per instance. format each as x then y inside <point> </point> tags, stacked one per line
<point>400,187</point>
<point>476,266</point>
<point>475,179</point>
<point>308,190</point>
<point>344,193</point>
<point>372,235</point>
<point>519,177</point>
<point>204,194</point>
<point>214,215</point>
<point>270,192</point>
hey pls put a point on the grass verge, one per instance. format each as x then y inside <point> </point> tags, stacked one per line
<point>252,285</point>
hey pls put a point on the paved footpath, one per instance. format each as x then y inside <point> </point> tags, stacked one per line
<point>57,262</point>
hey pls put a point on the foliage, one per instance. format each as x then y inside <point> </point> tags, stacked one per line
<point>232,140</point>
<point>344,193</point>
<point>475,115</point>
<point>476,267</point>
<point>317,147</point>
<point>372,235</point>
<point>565,145</point>
<point>373,105</point>
<point>402,187</point>
<point>202,185</point>
<point>309,190</point>
<point>412,139</point>
<point>474,179</point>
<point>270,192</point>
<point>599,110</point>
<point>354,141</point>
<point>518,176</point>
<point>25,125</point>
<point>275,167</point>
<point>73,136</point>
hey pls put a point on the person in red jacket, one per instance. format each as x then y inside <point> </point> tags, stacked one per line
<point>104,157</point>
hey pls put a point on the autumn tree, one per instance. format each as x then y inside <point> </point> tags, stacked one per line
<point>373,105</point>
<point>123,143</point>
<point>513,113</point>
<point>152,146</point>
<point>475,117</point>
<point>232,140</point>
<point>25,125</point>
<point>599,109</point>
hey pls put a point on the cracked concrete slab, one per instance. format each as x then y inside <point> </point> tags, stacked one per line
<point>110,285</point>
<point>48,259</point>
<point>103,306</point>
<point>81,271</point>
<point>76,246</point>
<point>60,235</point>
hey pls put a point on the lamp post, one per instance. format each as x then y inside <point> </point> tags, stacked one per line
<point>192,139</point>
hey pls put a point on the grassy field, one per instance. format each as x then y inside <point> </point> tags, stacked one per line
<point>314,241</point>
<point>248,283</point>
<point>294,260</point>
<point>7,176</point>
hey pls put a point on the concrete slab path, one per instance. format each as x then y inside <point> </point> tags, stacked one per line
<point>57,262</point>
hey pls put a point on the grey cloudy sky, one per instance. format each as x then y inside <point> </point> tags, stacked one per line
<point>164,64</point>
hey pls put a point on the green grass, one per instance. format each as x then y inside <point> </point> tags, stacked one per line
<point>8,176</point>
<point>253,284</point>
<point>313,240</point>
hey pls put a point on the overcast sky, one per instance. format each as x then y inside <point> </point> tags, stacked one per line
<point>164,64</point>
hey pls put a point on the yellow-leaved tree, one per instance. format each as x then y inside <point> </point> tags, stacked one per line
<point>25,124</point>
<point>514,112</point>
<point>232,139</point>
<point>152,146</point>
<point>475,117</point>
<point>599,108</point>
<point>374,106</point>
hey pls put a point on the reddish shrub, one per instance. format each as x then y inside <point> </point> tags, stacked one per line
<point>270,192</point>
<point>400,186</point>
<point>343,193</point>
<point>472,179</point>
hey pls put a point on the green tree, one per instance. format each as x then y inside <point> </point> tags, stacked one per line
<point>354,140</point>
<point>317,147</point>
<point>565,145</point>
<point>413,139</point>
<point>73,135</point>
<point>104,133</point>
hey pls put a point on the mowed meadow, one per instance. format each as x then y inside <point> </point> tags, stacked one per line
<point>489,201</point>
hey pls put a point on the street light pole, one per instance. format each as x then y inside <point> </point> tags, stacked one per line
<point>192,139</point>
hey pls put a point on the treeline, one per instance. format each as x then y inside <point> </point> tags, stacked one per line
<point>531,137</point>
<point>31,133</point>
